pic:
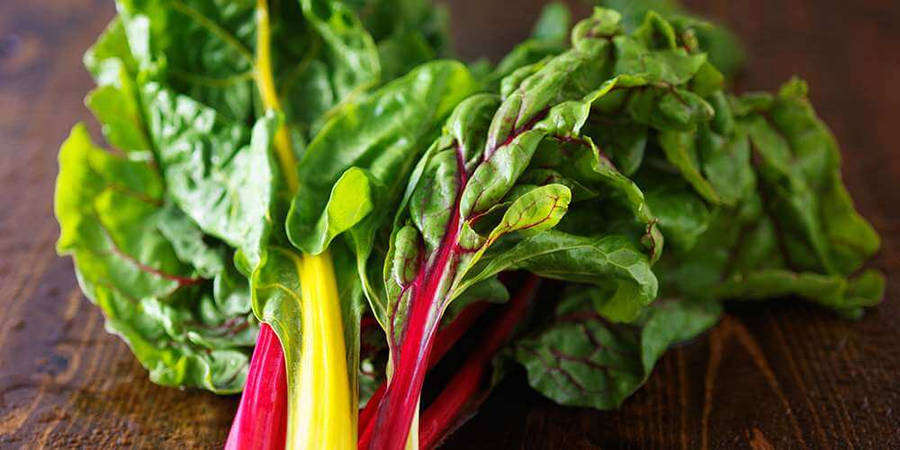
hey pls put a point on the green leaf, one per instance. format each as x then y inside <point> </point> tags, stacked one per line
<point>189,242</point>
<point>799,168</point>
<point>182,329</point>
<point>215,68</point>
<point>475,171</point>
<point>680,151</point>
<point>581,359</point>
<point>219,172</point>
<point>683,216</point>
<point>115,101</point>
<point>381,134</point>
<point>673,66</point>
<point>553,24</point>
<point>349,51</point>
<point>610,260</point>
<point>724,49</point>
<point>845,295</point>
<point>538,210</point>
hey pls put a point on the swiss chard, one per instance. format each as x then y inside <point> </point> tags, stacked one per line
<point>212,132</point>
<point>486,197</point>
<point>257,169</point>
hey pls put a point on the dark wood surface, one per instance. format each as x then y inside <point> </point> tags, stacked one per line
<point>769,376</point>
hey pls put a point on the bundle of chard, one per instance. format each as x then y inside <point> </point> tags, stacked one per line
<point>305,204</point>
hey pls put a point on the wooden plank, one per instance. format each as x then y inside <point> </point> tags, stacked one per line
<point>769,376</point>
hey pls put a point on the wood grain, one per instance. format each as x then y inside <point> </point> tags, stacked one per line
<point>775,375</point>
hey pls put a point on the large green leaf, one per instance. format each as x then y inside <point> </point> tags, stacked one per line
<point>219,172</point>
<point>353,173</point>
<point>369,147</point>
<point>321,53</point>
<point>187,326</point>
<point>799,164</point>
<point>200,48</point>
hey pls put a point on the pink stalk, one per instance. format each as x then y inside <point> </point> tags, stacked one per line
<point>427,296</point>
<point>444,341</point>
<point>261,419</point>
<point>447,411</point>
<point>401,398</point>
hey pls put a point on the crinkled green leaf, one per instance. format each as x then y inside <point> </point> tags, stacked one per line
<point>219,172</point>
<point>380,137</point>
<point>115,101</point>
<point>322,55</point>
<point>609,260</point>
<point>793,230</point>
<point>845,295</point>
<point>673,66</point>
<point>683,216</point>
<point>202,49</point>
<point>189,242</point>
<point>799,166</point>
<point>381,134</point>
<point>581,359</point>
<point>181,328</point>
<point>680,151</point>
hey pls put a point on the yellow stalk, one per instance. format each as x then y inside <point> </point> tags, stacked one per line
<point>324,418</point>
<point>321,414</point>
<point>266,82</point>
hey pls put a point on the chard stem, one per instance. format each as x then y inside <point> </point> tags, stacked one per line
<point>265,81</point>
<point>321,409</point>
<point>321,413</point>
<point>459,396</point>
<point>261,418</point>
<point>443,342</point>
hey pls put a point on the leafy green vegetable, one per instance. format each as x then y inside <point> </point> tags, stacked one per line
<point>582,359</point>
<point>365,170</point>
<point>166,288</point>
<point>262,147</point>
<point>220,173</point>
<point>793,230</point>
<point>190,116</point>
<point>751,198</point>
<point>474,208</point>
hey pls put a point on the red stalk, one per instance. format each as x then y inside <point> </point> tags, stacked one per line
<point>427,292</point>
<point>401,398</point>
<point>443,342</point>
<point>445,412</point>
<point>261,419</point>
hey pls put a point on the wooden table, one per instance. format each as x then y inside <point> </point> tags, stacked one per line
<point>773,375</point>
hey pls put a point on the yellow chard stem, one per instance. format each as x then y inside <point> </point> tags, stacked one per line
<point>266,82</point>
<point>320,409</point>
<point>323,403</point>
